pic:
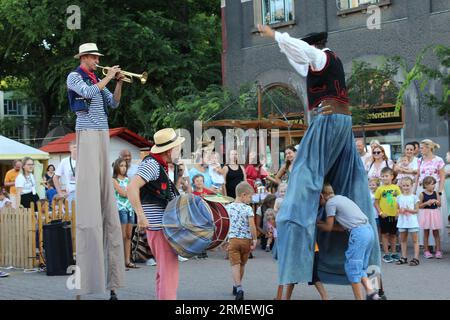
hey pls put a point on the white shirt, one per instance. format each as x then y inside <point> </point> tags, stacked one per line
<point>132,170</point>
<point>171,174</point>
<point>216,177</point>
<point>28,184</point>
<point>413,165</point>
<point>300,54</point>
<point>407,220</point>
<point>365,158</point>
<point>65,171</point>
<point>375,172</point>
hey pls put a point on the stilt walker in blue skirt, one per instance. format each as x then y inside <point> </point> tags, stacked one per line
<point>327,152</point>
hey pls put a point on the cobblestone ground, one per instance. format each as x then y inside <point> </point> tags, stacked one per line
<point>210,279</point>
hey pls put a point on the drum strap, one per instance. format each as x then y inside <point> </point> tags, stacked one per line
<point>172,185</point>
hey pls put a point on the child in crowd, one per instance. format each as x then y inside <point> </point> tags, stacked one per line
<point>386,205</point>
<point>216,172</point>
<point>242,234</point>
<point>408,208</point>
<point>268,204</point>
<point>350,218</point>
<point>281,191</point>
<point>4,200</point>
<point>271,230</point>
<point>282,188</point>
<point>51,192</point>
<point>4,203</point>
<point>430,216</point>
<point>403,163</point>
<point>199,186</point>
<point>126,213</point>
<point>374,183</point>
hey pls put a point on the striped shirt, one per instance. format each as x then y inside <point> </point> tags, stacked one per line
<point>149,170</point>
<point>95,118</point>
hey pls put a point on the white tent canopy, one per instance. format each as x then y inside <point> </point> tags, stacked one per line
<point>10,150</point>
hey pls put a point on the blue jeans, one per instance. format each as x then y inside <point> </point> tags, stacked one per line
<point>326,152</point>
<point>360,246</point>
<point>126,217</point>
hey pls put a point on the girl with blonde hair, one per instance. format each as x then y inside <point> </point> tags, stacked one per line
<point>431,165</point>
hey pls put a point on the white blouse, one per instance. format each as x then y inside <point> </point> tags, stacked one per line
<point>300,54</point>
<point>27,183</point>
<point>375,172</point>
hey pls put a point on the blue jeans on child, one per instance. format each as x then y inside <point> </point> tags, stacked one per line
<point>126,217</point>
<point>357,256</point>
<point>326,152</point>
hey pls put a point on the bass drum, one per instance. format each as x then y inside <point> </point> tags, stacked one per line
<point>221,223</point>
<point>188,225</point>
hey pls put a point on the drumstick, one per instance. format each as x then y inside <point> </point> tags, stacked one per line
<point>163,225</point>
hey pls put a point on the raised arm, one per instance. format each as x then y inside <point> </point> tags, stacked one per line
<point>296,50</point>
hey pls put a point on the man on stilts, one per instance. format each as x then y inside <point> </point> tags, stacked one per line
<point>99,235</point>
<point>327,152</point>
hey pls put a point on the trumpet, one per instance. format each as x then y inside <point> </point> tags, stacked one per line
<point>128,76</point>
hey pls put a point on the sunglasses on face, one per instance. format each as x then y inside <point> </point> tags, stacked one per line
<point>377,152</point>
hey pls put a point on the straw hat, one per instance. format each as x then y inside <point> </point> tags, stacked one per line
<point>87,48</point>
<point>166,139</point>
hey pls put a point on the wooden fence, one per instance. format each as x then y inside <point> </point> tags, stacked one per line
<point>20,228</point>
<point>17,238</point>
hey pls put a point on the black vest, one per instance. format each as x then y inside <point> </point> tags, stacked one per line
<point>79,103</point>
<point>328,83</point>
<point>158,191</point>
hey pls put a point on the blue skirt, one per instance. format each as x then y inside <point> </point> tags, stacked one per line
<point>327,152</point>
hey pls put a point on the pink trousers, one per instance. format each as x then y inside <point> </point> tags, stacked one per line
<point>166,267</point>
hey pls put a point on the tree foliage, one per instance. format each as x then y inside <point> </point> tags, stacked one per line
<point>178,43</point>
<point>423,74</point>
<point>370,86</point>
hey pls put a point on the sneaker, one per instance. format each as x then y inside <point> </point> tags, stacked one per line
<point>3,274</point>
<point>427,255</point>
<point>267,249</point>
<point>151,262</point>
<point>395,257</point>
<point>387,258</point>
<point>234,290</point>
<point>182,259</point>
<point>373,296</point>
<point>251,256</point>
<point>113,297</point>
<point>438,255</point>
<point>240,295</point>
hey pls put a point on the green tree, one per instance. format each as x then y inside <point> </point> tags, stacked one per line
<point>178,45</point>
<point>423,74</point>
<point>213,103</point>
<point>370,86</point>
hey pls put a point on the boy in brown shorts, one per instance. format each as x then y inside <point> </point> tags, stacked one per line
<point>242,234</point>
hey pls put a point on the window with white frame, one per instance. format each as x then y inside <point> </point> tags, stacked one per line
<point>352,4</point>
<point>33,109</point>
<point>12,107</point>
<point>14,133</point>
<point>271,12</point>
